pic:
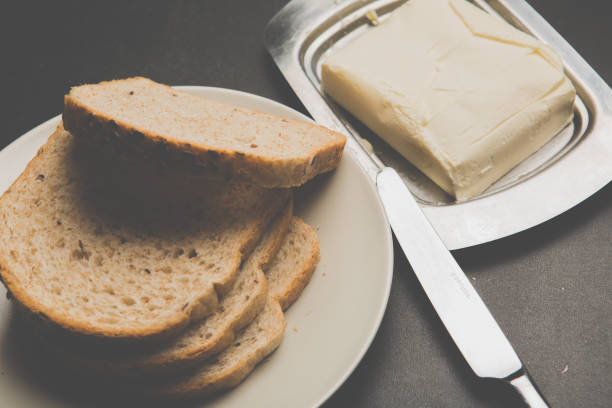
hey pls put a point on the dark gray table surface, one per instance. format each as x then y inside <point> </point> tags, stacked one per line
<point>550,287</point>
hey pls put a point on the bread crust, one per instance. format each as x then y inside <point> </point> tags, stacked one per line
<point>288,293</point>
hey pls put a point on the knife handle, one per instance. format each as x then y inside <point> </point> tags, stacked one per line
<point>530,393</point>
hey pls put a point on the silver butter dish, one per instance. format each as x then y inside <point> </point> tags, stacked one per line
<point>569,168</point>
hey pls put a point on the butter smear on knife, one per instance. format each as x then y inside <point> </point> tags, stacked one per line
<point>460,93</point>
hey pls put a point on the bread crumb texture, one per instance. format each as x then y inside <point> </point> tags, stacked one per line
<point>235,310</point>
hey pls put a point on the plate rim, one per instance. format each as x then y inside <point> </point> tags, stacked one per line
<point>387,240</point>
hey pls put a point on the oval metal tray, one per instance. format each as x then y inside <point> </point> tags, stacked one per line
<point>572,166</point>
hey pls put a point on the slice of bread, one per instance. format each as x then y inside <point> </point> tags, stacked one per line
<point>292,267</point>
<point>289,273</point>
<point>173,126</point>
<point>236,309</point>
<point>230,367</point>
<point>121,250</point>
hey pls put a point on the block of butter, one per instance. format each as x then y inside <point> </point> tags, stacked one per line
<point>460,93</point>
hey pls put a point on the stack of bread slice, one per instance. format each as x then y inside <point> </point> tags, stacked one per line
<point>153,235</point>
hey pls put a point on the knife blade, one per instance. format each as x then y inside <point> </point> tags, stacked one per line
<point>465,316</point>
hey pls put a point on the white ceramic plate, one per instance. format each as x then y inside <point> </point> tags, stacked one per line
<point>330,326</point>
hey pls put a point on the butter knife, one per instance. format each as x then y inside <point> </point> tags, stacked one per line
<point>467,319</point>
<point>465,316</point>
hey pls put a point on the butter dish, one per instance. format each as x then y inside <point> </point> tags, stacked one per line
<point>571,166</point>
